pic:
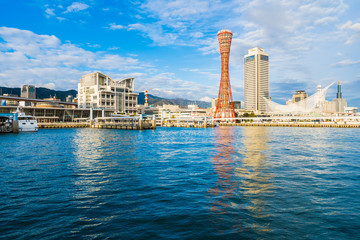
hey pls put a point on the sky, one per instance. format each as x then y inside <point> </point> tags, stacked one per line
<point>171,46</point>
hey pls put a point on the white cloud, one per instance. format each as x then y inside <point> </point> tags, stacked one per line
<point>114,26</point>
<point>49,12</point>
<point>346,62</point>
<point>49,85</point>
<point>26,57</point>
<point>352,31</point>
<point>326,20</point>
<point>155,33</point>
<point>205,99</point>
<point>43,60</point>
<point>350,25</point>
<point>76,7</point>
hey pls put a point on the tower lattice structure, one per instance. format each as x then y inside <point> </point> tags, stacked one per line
<point>225,105</point>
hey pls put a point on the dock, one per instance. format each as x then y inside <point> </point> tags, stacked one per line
<point>188,122</point>
<point>295,124</point>
<point>127,123</point>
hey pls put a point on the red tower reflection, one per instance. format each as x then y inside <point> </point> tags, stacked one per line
<point>225,105</point>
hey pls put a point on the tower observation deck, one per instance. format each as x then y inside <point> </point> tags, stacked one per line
<point>225,105</point>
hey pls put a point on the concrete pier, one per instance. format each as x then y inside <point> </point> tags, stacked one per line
<point>295,124</point>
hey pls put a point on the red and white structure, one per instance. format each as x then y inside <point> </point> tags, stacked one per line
<point>225,106</point>
<point>146,98</point>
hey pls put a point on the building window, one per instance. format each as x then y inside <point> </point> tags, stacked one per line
<point>264,58</point>
<point>250,58</point>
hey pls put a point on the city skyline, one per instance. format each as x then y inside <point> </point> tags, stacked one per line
<point>171,49</point>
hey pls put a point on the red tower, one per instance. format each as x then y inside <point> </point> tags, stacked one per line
<point>225,105</point>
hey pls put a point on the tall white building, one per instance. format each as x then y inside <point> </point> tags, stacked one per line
<point>256,85</point>
<point>96,90</point>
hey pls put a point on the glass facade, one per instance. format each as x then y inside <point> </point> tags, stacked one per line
<point>250,58</point>
<point>264,58</point>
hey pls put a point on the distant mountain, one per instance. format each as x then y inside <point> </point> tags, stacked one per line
<point>41,92</point>
<point>158,101</point>
<point>152,100</point>
<point>47,93</point>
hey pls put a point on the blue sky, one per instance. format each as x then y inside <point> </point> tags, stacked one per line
<point>171,47</point>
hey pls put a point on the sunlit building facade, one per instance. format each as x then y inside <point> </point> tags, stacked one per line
<point>256,75</point>
<point>97,90</point>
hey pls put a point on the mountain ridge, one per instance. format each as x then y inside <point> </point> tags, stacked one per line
<point>42,93</point>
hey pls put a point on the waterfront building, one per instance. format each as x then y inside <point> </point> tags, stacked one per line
<point>297,97</point>
<point>69,98</point>
<point>351,110</point>
<point>338,104</point>
<point>314,103</point>
<point>28,91</point>
<point>256,75</point>
<point>174,111</point>
<point>237,105</point>
<point>225,106</point>
<point>50,104</point>
<point>213,103</point>
<point>10,102</point>
<point>97,90</point>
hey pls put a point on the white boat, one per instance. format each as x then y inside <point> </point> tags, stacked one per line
<point>27,123</point>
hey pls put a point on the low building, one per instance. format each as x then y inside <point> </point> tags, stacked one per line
<point>351,110</point>
<point>338,104</point>
<point>10,102</point>
<point>50,104</point>
<point>97,90</point>
<point>237,105</point>
<point>298,96</point>
<point>69,98</point>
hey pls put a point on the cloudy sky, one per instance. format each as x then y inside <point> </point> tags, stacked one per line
<point>171,48</point>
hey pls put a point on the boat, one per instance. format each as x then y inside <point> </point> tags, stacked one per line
<point>27,123</point>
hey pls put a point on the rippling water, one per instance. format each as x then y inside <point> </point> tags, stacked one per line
<point>173,183</point>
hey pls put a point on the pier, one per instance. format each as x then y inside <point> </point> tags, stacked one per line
<point>9,123</point>
<point>188,122</point>
<point>129,123</point>
<point>296,121</point>
<point>294,124</point>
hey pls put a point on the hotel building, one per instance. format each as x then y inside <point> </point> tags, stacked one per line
<point>256,86</point>
<point>28,91</point>
<point>97,90</point>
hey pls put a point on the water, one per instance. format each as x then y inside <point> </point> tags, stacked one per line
<point>173,183</point>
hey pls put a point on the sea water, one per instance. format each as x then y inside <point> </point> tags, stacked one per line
<point>181,183</point>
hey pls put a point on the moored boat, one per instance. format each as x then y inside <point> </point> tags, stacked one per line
<point>27,123</point>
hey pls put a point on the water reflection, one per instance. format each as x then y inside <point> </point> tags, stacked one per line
<point>244,182</point>
<point>256,185</point>
<point>222,203</point>
<point>101,159</point>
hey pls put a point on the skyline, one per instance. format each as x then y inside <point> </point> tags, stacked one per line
<point>171,47</point>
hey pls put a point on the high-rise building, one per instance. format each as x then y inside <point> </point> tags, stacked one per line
<point>28,91</point>
<point>225,105</point>
<point>256,85</point>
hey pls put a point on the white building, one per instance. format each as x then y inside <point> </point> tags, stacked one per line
<point>96,90</point>
<point>256,86</point>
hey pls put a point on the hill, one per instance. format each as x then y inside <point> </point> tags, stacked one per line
<point>41,92</point>
<point>152,100</point>
<point>158,101</point>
